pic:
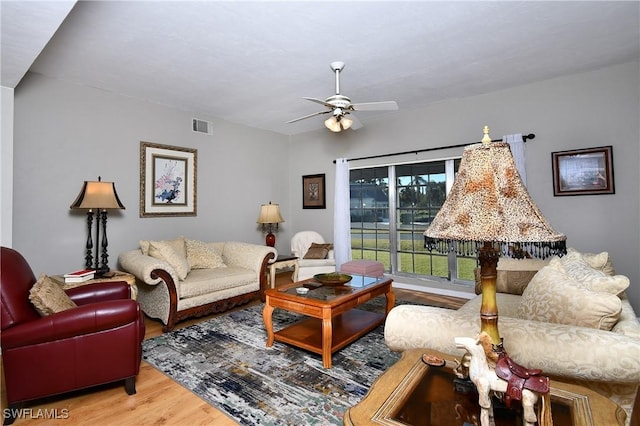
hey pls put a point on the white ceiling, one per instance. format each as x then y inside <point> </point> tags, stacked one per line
<point>252,62</point>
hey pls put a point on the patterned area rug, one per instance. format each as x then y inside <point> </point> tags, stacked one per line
<point>224,361</point>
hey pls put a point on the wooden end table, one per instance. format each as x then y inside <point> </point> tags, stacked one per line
<point>119,276</point>
<point>282,262</point>
<point>413,393</point>
<point>332,321</point>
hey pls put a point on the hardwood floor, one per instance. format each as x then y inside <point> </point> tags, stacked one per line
<point>159,400</point>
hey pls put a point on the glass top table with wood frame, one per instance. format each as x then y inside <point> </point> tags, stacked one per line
<point>332,320</point>
<point>413,393</point>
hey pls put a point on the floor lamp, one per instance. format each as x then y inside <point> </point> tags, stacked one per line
<point>489,212</point>
<point>97,197</point>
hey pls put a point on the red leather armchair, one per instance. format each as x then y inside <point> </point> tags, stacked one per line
<point>98,342</point>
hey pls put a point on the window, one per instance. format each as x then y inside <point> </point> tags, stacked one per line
<point>388,221</point>
<point>369,190</point>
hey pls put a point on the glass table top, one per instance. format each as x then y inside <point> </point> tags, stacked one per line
<point>327,292</point>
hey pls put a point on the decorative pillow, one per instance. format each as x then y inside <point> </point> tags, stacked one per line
<point>167,251</point>
<point>318,251</point>
<point>48,297</point>
<point>554,296</point>
<point>509,264</point>
<point>200,255</point>
<point>328,246</point>
<point>178,245</point>
<point>576,266</point>
<point>513,275</point>
<point>599,261</point>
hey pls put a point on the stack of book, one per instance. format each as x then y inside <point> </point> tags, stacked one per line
<point>79,276</point>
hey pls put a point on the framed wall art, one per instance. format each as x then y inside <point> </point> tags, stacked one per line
<point>168,180</point>
<point>583,171</point>
<point>313,192</point>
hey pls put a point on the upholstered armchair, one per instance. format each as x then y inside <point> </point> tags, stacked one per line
<point>96,341</point>
<point>321,263</point>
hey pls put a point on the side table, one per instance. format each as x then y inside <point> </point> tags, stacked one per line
<point>412,393</point>
<point>119,276</point>
<point>282,262</point>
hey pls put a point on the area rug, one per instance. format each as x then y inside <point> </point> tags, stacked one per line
<point>225,361</point>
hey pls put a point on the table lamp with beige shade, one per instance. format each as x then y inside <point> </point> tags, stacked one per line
<point>268,217</point>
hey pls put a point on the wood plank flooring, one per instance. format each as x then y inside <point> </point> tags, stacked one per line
<point>159,400</point>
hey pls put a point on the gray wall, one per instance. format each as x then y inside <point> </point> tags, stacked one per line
<point>579,111</point>
<point>65,134</point>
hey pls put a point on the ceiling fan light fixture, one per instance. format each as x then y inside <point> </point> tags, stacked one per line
<point>346,122</point>
<point>332,124</point>
<point>339,106</point>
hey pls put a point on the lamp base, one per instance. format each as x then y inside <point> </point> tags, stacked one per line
<point>101,271</point>
<point>270,240</point>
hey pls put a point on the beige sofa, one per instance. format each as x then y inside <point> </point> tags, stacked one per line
<point>570,320</point>
<point>184,278</point>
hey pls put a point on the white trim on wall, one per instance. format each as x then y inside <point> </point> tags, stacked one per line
<point>6,167</point>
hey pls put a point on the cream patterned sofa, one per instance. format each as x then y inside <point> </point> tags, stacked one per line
<point>184,278</point>
<point>568,316</point>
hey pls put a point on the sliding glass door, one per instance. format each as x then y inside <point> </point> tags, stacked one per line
<point>392,206</point>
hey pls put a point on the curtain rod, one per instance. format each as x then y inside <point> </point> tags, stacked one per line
<point>524,138</point>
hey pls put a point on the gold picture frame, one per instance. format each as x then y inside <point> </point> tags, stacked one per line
<point>313,192</point>
<point>168,180</point>
<point>583,171</point>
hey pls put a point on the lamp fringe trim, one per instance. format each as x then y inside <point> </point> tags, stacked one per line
<point>516,250</point>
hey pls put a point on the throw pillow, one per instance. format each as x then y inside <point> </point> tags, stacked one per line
<point>509,264</point>
<point>554,296</point>
<point>167,251</point>
<point>200,255</point>
<point>513,275</point>
<point>575,265</point>
<point>178,245</point>
<point>318,251</point>
<point>48,297</point>
<point>599,261</point>
<point>328,246</point>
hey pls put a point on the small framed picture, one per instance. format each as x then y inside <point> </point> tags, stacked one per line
<point>168,176</point>
<point>583,171</point>
<point>313,192</point>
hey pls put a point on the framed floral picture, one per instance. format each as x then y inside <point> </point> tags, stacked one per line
<point>583,171</point>
<point>313,192</point>
<point>168,177</point>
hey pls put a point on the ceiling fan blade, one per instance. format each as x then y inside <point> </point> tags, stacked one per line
<point>375,106</point>
<point>308,116</point>
<point>357,124</point>
<point>319,101</point>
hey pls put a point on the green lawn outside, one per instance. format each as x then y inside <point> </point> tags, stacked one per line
<point>425,263</point>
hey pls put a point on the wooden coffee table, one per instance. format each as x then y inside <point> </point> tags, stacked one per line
<point>412,393</point>
<point>332,321</point>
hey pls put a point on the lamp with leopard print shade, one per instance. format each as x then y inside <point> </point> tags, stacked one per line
<point>489,212</point>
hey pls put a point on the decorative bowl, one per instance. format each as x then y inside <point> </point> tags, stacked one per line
<point>333,278</point>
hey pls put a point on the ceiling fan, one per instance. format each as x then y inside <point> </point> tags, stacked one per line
<point>340,107</point>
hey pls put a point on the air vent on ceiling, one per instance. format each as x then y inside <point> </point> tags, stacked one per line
<point>202,126</point>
